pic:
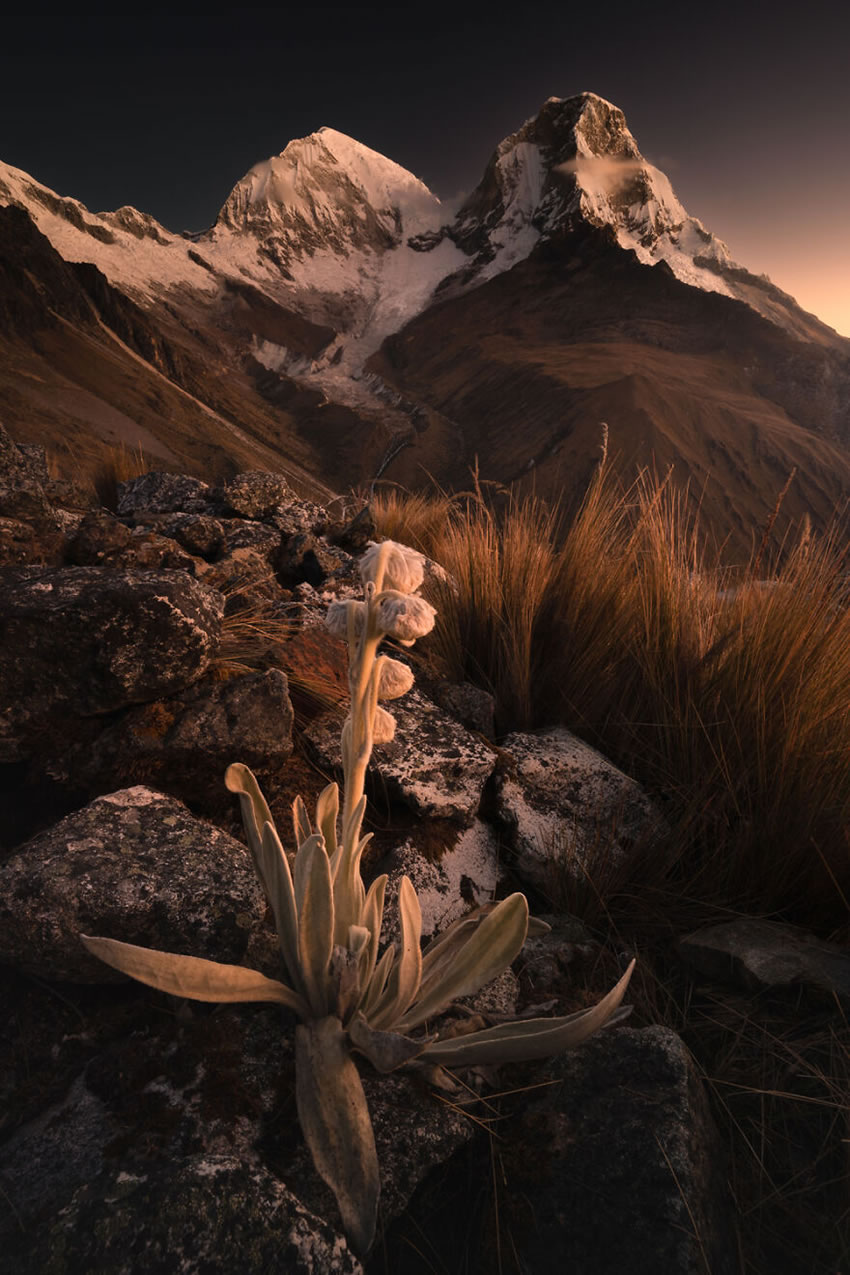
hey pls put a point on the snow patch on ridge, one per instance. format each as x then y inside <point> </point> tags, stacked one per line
<point>145,261</point>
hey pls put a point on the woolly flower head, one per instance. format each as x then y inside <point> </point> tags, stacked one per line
<point>336,618</point>
<point>404,616</point>
<point>404,568</point>
<point>396,679</point>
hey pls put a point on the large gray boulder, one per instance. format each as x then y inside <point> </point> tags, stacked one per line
<point>464,876</point>
<point>88,640</point>
<point>616,1167</point>
<point>759,954</point>
<point>185,743</point>
<point>136,866</point>
<point>563,803</point>
<point>433,764</point>
<point>162,493</point>
<point>179,1149</point>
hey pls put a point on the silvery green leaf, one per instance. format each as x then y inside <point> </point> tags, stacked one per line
<point>273,866</point>
<point>440,952</point>
<point>315,922</point>
<point>533,1038</point>
<point>349,893</point>
<point>378,981</point>
<point>191,976</point>
<point>335,1121</point>
<point>385,1050</point>
<point>488,950</point>
<point>303,859</point>
<point>371,917</point>
<point>255,811</point>
<point>301,827</point>
<point>403,982</point>
<point>537,927</point>
<point>327,810</point>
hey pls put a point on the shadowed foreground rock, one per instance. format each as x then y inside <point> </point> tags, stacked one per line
<point>617,1169</point>
<point>179,1150</point>
<point>758,954</point>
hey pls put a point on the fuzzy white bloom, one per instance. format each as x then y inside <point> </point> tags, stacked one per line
<point>396,679</point>
<point>336,618</point>
<point>404,568</point>
<point>383,729</point>
<point>405,616</point>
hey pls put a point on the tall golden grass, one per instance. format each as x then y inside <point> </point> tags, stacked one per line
<point>118,465</point>
<point>727,695</point>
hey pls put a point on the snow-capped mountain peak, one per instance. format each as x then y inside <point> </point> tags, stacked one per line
<point>577,161</point>
<point>328,187</point>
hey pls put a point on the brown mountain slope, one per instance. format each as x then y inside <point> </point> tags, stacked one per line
<point>523,370</point>
<point>83,369</point>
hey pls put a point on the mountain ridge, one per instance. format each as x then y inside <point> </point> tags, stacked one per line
<point>328,260</point>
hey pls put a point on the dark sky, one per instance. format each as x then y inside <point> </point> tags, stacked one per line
<point>747,111</point>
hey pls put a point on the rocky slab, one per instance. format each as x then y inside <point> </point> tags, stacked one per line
<point>88,640</point>
<point>433,764</point>
<point>758,954</point>
<point>136,866</point>
<point>617,1167</point>
<point>561,802</point>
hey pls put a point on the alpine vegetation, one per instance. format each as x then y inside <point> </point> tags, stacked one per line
<point>349,995</point>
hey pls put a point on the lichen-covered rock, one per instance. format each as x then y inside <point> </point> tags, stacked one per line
<point>357,533</point>
<point>239,534</point>
<point>162,493</point>
<point>23,472</point>
<point>254,494</point>
<point>474,707</point>
<point>185,743</point>
<point>547,959</point>
<point>464,876</point>
<point>616,1167</point>
<point>562,803</point>
<point>134,865</point>
<point>433,764</point>
<point>103,540</point>
<point>306,557</point>
<point>296,516</point>
<point>759,954</point>
<point>99,535</point>
<point>178,1149</point>
<point>28,542</point>
<point>199,534</point>
<point>87,640</point>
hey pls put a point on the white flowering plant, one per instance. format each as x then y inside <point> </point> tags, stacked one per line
<point>349,996</point>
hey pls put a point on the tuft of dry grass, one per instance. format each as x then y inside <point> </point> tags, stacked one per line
<point>119,465</point>
<point>727,696</point>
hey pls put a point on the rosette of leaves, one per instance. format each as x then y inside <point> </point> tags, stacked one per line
<point>349,996</point>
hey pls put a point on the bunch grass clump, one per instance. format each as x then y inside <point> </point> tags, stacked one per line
<point>725,691</point>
